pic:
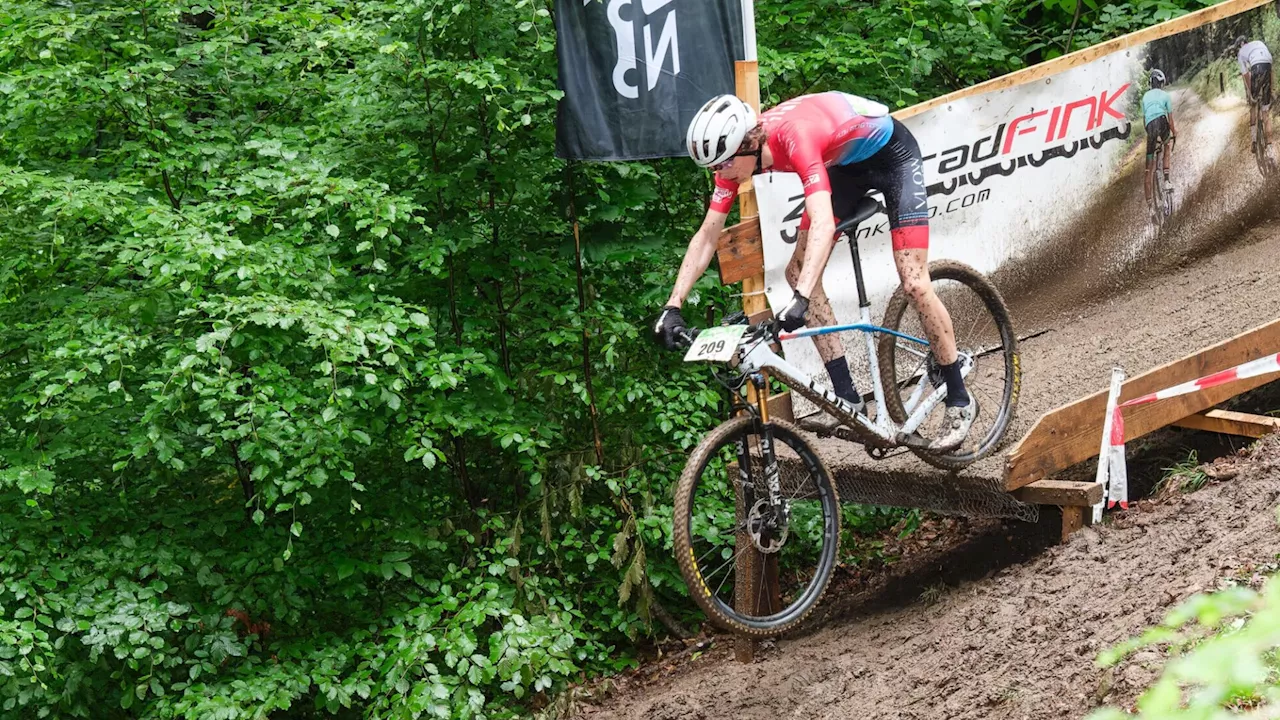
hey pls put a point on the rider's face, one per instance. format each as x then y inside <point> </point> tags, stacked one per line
<point>737,169</point>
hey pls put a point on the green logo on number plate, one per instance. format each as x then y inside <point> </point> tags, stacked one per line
<point>715,344</point>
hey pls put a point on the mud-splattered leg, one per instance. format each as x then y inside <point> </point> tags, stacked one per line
<point>830,348</point>
<point>913,271</point>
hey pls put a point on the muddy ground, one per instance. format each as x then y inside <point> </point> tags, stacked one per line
<point>1019,643</point>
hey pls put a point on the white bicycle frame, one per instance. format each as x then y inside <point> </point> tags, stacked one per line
<point>757,356</point>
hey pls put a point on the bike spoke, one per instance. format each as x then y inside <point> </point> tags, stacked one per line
<point>909,347</point>
<point>732,559</point>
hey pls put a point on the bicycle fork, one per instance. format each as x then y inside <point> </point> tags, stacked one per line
<point>767,529</point>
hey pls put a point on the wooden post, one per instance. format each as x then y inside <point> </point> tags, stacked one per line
<point>746,75</point>
<point>1073,518</point>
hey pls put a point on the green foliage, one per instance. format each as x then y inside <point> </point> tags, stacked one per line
<point>310,404</point>
<point>1185,476</point>
<point>1224,660</point>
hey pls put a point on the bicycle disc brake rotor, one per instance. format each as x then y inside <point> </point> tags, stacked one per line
<point>766,534</point>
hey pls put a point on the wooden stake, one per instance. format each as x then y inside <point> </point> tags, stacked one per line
<point>747,82</point>
<point>1072,520</point>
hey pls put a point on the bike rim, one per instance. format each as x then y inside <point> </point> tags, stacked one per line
<point>716,535</point>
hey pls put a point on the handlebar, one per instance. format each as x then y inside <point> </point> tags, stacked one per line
<point>766,329</point>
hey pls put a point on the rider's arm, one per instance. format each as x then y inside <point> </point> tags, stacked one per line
<point>696,259</point>
<point>822,230</point>
<point>1173,128</point>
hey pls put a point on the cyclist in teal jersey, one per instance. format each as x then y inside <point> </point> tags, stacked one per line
<point>1157,112</point>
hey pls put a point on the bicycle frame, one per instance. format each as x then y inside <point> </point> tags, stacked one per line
<point>758,357</point>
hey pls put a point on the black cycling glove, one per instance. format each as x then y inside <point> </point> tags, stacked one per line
<point>792,316</point>
<point>670,331</point>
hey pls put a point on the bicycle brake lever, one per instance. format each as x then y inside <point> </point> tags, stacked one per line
<point>689,335</point>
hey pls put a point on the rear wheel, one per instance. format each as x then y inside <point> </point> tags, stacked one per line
<point>722,512</point>
<point>983,332</point>
<point>1264,153</point>
<point>1160,210</point>
<point>1164,192</point>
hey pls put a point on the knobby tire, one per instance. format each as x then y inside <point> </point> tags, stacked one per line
<point>719,612</point>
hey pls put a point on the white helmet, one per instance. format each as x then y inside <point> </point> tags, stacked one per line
<point>718,128</point>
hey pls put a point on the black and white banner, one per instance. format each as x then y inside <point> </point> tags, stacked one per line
<point>635,71</point>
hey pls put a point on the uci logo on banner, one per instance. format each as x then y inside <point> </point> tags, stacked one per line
<point>630,85</point>
<point>625,16</point>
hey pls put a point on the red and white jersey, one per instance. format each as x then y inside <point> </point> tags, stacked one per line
<point>813,132</point>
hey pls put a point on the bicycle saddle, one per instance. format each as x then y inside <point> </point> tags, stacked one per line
<point>865,208</point>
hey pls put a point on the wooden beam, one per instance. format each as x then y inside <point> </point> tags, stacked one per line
<point>1231,423</point>
<point>1089,54</point>
<point>740,252</point>
<point>780,407</point>
<point>765,314</point>
<point>1071,434</point>
<point>1072,520</point>
<point>1060,492</point>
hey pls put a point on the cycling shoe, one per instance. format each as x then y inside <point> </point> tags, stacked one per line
<point>955,427</point>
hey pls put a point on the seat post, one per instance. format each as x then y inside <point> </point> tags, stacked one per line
<point>852,234</point>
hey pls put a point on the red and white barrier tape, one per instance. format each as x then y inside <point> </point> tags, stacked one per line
<point>1117,472</point>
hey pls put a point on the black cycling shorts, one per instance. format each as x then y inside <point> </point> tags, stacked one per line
<point>1260,83</point>
<point>1157,129</point>
<point>896,170</point>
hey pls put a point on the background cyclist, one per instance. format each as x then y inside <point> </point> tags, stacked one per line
<point>1157,112</point>
<point>842,146</point>
<point>1255,70</point>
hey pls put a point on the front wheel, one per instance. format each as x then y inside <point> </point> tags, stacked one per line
<point>984,334</point>
<point>722,513</point>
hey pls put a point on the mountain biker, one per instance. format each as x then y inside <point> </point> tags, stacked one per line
<point>1157,112</point>
<point>1255,70</point>
<point>842,146</point>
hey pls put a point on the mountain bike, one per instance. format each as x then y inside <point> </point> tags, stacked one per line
<point>1162,191</point>
<point>756,483</point>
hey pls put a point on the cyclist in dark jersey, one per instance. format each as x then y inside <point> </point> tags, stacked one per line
<point>1255,70</point>
<point>842,146</point>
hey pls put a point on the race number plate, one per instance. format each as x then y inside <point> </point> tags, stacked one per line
<point>715,344</point>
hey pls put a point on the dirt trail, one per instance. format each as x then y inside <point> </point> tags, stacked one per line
<point>1018,644</point>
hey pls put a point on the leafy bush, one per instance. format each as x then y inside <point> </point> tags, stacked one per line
<point>1225,657</point>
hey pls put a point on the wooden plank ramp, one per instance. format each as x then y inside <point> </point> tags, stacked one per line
<point>1071,434</point>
